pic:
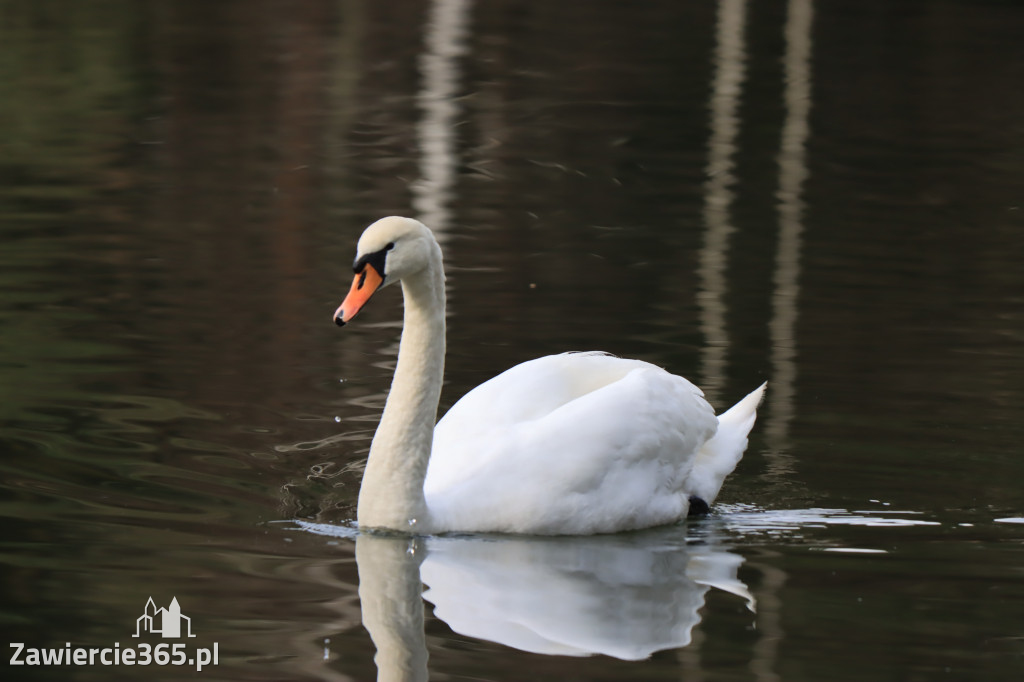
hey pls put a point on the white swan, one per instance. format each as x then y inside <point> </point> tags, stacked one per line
<point>576,444</point>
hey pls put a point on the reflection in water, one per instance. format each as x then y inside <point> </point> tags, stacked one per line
<point>445,43</point>
<point>625,596</point>
<point>730,56</point>
<point>786,289</point>
<point>785,294</point>
<point>390,594</point>
<point>766,650</point>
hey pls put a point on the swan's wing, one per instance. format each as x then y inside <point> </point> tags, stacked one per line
<point>535,388</point>
<point>580,443</point>
<point>523,394</point>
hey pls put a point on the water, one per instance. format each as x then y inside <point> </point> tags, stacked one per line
<point>826,196</point>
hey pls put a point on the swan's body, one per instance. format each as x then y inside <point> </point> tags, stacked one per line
<point>578,443</point>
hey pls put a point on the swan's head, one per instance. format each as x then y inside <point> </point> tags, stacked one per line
<point>389,250</point>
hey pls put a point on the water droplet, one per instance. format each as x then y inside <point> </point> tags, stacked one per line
<point>337,419</point>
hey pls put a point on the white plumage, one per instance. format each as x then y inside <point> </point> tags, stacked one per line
<point>577,443</point>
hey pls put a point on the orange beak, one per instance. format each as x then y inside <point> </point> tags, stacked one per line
<point>366,282</point>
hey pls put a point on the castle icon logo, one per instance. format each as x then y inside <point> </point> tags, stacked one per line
<point>168,622</point>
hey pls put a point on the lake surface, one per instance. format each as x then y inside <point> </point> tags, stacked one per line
<point>826,196</point>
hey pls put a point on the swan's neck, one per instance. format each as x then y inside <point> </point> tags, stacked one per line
<point>391,495</point>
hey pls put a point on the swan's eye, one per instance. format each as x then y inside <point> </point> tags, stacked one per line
<point>375,259</point>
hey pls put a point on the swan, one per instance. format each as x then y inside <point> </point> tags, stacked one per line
<point>571,444</point>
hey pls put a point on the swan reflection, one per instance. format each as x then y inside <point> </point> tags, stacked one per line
<point>625,596</point>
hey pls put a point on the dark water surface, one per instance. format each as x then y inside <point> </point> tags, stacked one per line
<point>824,195</point>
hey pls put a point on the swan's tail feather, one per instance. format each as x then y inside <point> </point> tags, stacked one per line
<point>720,455</point>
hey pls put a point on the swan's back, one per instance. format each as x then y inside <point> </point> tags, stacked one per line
<point>572,443</point>
<point>535,389</point>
